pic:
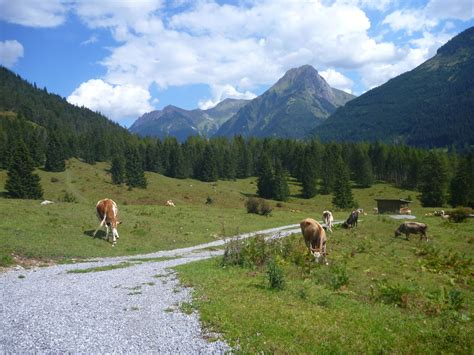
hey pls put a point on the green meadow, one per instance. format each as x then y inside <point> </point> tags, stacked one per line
<point>63,230</point>
<point>378,293</point>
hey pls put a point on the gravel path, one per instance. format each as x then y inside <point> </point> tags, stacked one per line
<point>133,309</point>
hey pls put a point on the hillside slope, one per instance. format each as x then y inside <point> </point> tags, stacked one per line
<point>430,106</point>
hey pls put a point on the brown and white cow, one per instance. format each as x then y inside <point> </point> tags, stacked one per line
<point>314,238</point>
<point>328,220</point>
<point>170,203</point>
<point>405,210</point>
<point>408,228</point>
<point>107,213</point>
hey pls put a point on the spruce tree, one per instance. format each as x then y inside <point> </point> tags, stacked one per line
<point>281,190</point>
<point>118,170</point>
<point>342,187</point>
<point>21,181</point>
<point>308,176</point>
<point>134,175</point>
<point>208,166</point>
<point>265,177</point>
<point>55,157</point>
<point>462,185</point>
<point>434,181</point>
<point>363,174</point>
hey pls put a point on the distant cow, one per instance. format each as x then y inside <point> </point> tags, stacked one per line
<point>328,220</point>
<point>107,213</point>
<point>314,238</point>
<point>412,228</point>
<point>405,210</point>
<point>352,220</point>
<point>170,203</point>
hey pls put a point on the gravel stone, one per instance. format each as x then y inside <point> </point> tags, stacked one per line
<point>122,310</point>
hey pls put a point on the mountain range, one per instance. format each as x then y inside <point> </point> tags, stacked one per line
<point>300,101</point>
<point>181,123</point>
<point>297,103</point>
<point>429,106</point>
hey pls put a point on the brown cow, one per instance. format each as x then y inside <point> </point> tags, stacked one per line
<point>107,213</point>
<point>314,238</point>
<point>412,227</point>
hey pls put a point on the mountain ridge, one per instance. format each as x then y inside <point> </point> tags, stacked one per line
<point>429,106</point>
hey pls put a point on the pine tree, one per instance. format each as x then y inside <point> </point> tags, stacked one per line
<point>208,166</point>
<point>265,177</point>
<point>118,170</point>
<point>342,187</point>
<point>308,176</point>
<point>462,186</point>
<point>134,175</point>
<point>362,169</point>
<point>434,181</point>
<point>281,190</point>
<point>55,157</point>
<point>21,181</point>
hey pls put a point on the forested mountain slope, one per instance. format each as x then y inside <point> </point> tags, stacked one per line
<point>430,106</point>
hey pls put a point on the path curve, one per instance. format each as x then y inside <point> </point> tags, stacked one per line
<point>133,309</point>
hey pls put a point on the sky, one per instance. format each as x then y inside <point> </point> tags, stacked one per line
<point>124,58</point>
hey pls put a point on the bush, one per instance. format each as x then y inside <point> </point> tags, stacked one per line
<point>69,197</point>
<point>54,179</point>
<point>460,214</point>
<point>394,294</point>
<point>209,200</point>
<point>275,275</point>
<point>233,253</point>
<point>258,206</point>
<point>339,276</point>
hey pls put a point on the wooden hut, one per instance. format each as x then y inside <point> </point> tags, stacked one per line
<point>388,205</point>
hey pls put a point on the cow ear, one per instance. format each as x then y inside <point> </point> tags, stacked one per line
<point>119,222</point>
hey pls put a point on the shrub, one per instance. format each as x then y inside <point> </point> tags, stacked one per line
<point>233,253</point>
<point>209,200</point>
<point>275,275</point>
<point>69,197</point>
<point>394,294</point>
<point>460,214</point>
<point>339,276</point>
<point>54,179</point>
<point>258,206</point>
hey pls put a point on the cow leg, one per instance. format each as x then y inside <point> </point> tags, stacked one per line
<point>406,236</point>
<point>114,236</point>
<point>100,225</point>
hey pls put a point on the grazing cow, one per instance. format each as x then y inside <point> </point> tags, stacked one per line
<point>170,203</point>
<point>328,220</point>
<point>376,210</point>
<point>107,213</point>
<point>405,210</point>
<point>314,238</point>
<point>361,211</point>
<point>412,228</point>
<point>352,220</point>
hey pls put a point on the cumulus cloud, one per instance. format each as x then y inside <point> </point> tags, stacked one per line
<point>221,92</point>
<point>117,102</point>
<point>10,52</point>
<point>421,19</point>
<point>337,80</point>
<point>33,13</point>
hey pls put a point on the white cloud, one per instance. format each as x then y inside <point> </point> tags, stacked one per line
<point>92,39</point>
<point>422,19</point>
<point>418,51</point>
<point>114,101</point>
<point>221,92</point>
<point>337,80</point>
<point>33,13</point>
<point>448,9</point>
<point>10,52</point>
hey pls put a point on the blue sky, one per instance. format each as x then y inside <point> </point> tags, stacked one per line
<point>127,57</point>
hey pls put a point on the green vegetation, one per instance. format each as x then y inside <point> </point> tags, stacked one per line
<point>378,294</point>
<point>101,268</point>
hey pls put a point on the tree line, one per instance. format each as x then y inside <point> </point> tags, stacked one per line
<point>321,168</point>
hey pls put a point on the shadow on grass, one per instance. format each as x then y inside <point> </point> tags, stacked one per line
<point>100,234</point>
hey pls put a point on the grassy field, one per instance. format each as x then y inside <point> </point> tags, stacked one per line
<point>63,231</point>
<point>378,294</point>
